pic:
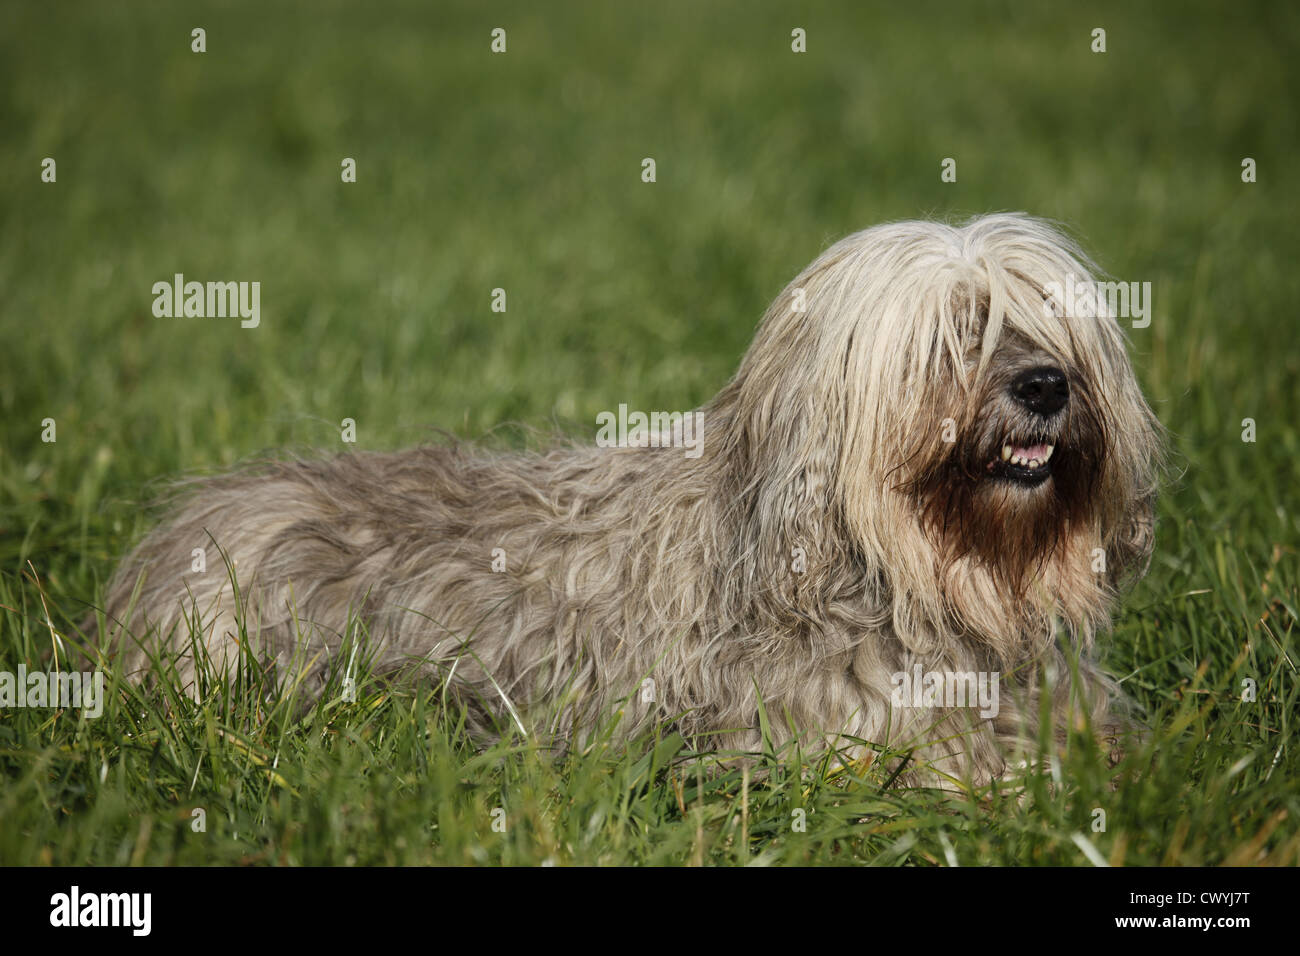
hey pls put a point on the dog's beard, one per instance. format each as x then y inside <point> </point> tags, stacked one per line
<point>1014,485</point>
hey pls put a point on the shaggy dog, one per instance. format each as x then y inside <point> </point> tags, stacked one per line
<point>922,467</point>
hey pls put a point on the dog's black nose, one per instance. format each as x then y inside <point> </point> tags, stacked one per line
<point>1043,390</point>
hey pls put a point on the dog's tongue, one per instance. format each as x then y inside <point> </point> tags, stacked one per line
<point>1030,452</point>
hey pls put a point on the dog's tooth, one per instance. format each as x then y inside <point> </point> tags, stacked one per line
<point>1006,452</point>
<point>1017,460</point>
<point>1050,449</point>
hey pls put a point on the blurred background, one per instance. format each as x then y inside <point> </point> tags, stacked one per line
<point>523,171</point>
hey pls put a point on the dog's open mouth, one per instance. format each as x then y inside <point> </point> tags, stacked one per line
<point>1028,463</point>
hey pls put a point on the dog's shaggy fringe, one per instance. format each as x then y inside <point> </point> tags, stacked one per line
<point>840,527</point>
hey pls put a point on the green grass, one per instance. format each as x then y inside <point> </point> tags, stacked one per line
<point>523,172</point>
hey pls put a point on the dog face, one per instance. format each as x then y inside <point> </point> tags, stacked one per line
<point>1028,454</point>
<point>918,392</point>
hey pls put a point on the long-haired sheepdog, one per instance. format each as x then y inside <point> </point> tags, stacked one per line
<point>903,525</point>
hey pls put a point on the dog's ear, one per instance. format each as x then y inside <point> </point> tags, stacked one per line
<point>1140,456</point>
<point>1130,550</point>
<point>783,475</point>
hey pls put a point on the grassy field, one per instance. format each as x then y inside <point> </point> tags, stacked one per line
<point>522,171</point>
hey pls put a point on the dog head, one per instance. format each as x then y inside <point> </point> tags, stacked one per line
<point>918,405</point>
